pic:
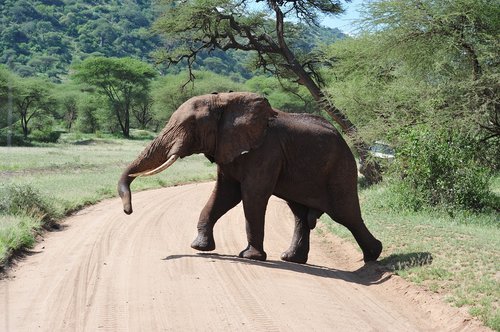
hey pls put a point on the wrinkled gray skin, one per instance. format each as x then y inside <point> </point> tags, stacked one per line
<point>261,152</point>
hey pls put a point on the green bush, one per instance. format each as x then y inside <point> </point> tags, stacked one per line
<point>16,139</point>
<point>441,168</point>
<point>23,200</point>
<point>16,232</point>
<point>46,136</point>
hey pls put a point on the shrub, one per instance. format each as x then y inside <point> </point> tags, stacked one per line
<point>46,136</point>
<point>16,233</point>
<point>23,200</point>
<point>15,138</point>
<point>441,168</point>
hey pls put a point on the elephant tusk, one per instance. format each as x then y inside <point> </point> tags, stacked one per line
<point>158,169</point>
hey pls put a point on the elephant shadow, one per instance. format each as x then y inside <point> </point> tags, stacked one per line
<point>371,273</point>
<point>405,261</point>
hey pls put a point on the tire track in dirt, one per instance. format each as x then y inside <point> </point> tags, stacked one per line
<point>109,272</point>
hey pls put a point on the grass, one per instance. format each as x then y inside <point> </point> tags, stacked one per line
<point>456,256</point>
<point>65,177</point>
<point>16,232</point>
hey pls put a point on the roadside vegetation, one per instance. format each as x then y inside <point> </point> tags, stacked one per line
<point>420,76</point>
<point>42,185</point>
<point>452,253</point>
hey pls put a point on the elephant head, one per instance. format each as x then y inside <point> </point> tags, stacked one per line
<point>222,126</point>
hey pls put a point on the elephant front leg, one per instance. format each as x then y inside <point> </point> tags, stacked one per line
<point>299,248</point>
<point>255,211</point>
<point>225,196</point>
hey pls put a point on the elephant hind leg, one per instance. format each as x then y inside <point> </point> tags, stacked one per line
<point>299,248</point>
<point>346,211</point>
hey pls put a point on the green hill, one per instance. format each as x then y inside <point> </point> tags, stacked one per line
<point>43,37</point>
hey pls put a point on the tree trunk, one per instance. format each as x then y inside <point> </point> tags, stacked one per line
<point>126,131</point>
<point>369,168</point>
<point>24,125</point>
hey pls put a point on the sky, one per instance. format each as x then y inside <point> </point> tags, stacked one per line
<point>344,21</point>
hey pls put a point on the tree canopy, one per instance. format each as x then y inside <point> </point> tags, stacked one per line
<point>423,75</point>
<point>44,37</point>
<point>31,98</point>
<point>193,26</point>
<point>121,80</point>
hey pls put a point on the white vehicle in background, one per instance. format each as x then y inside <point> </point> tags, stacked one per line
<point>382,150</point>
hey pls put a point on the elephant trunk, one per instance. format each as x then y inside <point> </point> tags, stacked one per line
<point>154,159</point>
<point>125,193</point>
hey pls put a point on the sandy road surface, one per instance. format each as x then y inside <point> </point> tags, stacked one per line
<point>111,272</point>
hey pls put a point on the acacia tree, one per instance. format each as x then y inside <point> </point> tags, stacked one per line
<point>446,43</point>
<point>142,109</point>
<point>67,96</point>
<point>120,80</point>
<point>424,75</point>
<point>6,81</point>
<point>31,98</point>
<point>193,26</point>
<point>5,77</point>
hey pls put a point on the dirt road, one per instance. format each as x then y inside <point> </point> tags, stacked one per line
<point>111,272</point>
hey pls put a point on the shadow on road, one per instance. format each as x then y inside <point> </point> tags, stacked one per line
<point>404,261</point>
<point>370,274</point>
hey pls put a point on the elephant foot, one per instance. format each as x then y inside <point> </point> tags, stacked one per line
<point>204,242</point>
<point>373,253</point>
<point>251,253</point>
<point>295,256</point>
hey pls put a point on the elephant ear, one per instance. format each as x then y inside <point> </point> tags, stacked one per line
<point>243,125</point>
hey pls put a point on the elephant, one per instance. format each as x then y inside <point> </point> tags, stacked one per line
<point>260,151</point>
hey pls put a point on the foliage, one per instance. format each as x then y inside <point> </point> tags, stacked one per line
<point>461,34</point>
<point>142,110</point>
<point>191,27</point>
<point>67,97</point>
<point>5,101</point>
<point>451,45</point>
<point>422,76</point>
<point>27,201</point>
<point>43,37</point>
<point>93,115</point>
<point>442,168</point>
<point>121,80</point>
<point>46,136</point>
<point>16,232</point>
<point>283,94</point>
<point>31,99</point>
<point>5,77</point>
